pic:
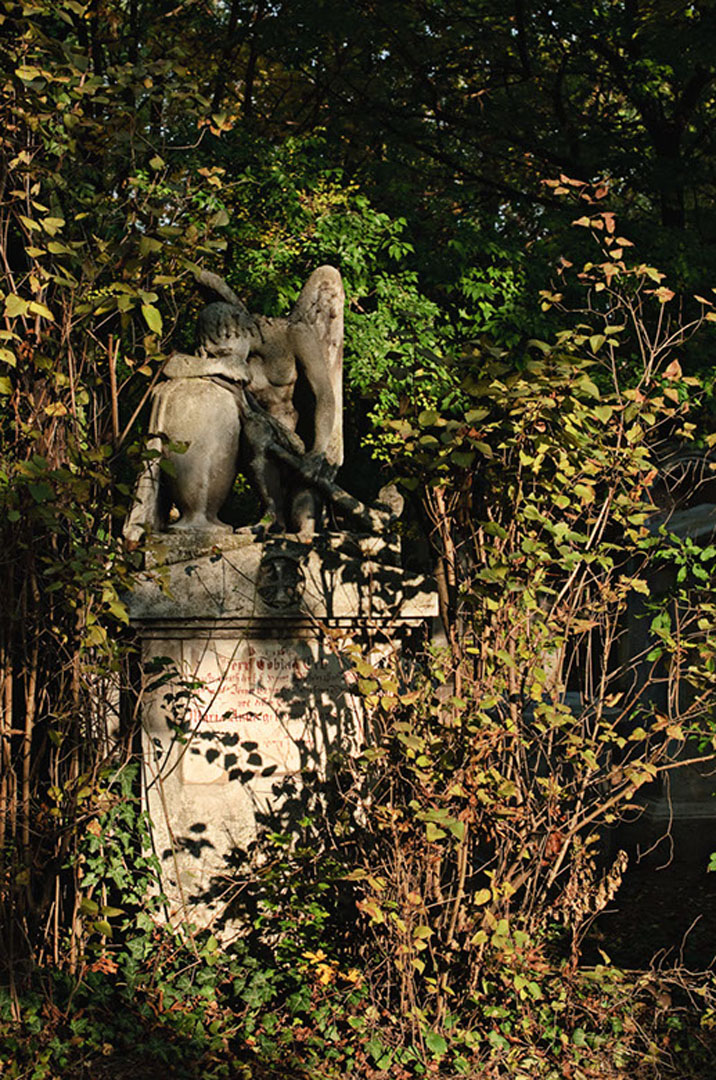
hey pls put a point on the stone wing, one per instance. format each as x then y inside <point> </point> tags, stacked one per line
<point>216,285</point>
<point>320,306</point>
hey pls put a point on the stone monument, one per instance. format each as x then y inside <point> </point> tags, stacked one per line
<point>247,687</point>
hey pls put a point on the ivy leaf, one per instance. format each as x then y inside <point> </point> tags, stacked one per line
<point>436,1043</point>
<point>15,305</point>
<point>433,833</point>
<point>117,608</point>
<point>457,828</point>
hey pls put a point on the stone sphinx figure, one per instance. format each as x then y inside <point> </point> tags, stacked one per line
<point>263,394</point>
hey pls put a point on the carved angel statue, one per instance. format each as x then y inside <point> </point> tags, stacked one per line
<point>263,394</point>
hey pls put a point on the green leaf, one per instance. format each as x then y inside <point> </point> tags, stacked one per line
<point>52,225</point>
<point>152,317</point>
<point>40,309</point>
<point>585,492</point>
<point>95,635</point>
<point>457,828</point>
<point>588,386</point>
<point>436,1043</point>
<point>603,412</point>
<point>491,528</point>
<point>119,611</point>
<point>484,448</point>
<point>427,417</point>
<point>433,833</point>
<point>541,345</point>
<point>375,1047</point>
<point>148,245</point>
<point>28,73</point>
<point>15,305</point>
<point>41,492</point>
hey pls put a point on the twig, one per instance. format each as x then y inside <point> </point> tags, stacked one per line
<point>112,351</point>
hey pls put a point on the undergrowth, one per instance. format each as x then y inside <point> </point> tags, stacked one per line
<point>191,1009</point>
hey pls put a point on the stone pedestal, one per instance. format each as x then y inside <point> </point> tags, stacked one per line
<point>247,686</point>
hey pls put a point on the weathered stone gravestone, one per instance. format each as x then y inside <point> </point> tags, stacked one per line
<point>681,806</point>
<point>247,686</point>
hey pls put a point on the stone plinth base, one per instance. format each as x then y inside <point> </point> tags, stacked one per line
<point>248,687</point>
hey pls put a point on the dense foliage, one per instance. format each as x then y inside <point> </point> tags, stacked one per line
<point>495,183</point>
